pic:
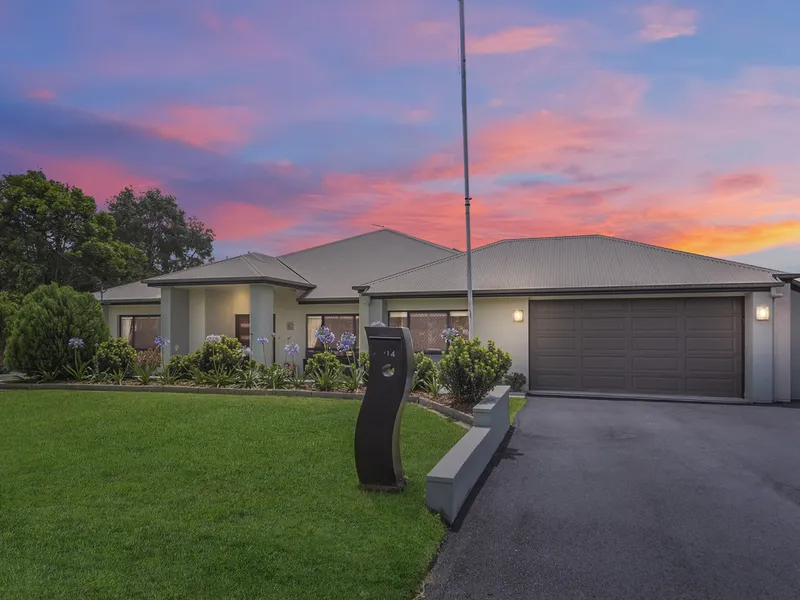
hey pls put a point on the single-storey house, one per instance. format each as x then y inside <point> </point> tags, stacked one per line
<point>580,315</point>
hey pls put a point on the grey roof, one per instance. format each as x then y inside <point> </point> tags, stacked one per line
<point>336,267</point>
<point>571,264</point>
<point>247,268</point>
<point>130,293</point>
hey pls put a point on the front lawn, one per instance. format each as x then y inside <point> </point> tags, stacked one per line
<point>131,495</point>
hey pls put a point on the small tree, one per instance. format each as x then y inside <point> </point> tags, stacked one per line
<point>48,318</point>
<point>8,308</point>
<point>470,370</point>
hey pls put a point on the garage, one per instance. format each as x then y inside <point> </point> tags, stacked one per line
<point>664,346</point>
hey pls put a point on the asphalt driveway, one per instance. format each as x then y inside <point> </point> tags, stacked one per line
<point>634,500</point>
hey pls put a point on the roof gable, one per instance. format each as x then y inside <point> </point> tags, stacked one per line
<point>575,263</point>
<point>336,267</point>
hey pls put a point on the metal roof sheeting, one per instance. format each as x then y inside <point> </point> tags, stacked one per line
<point>336,267</point>
<point>130,293</point>
<point>577,263</point>
<point>251,267</point>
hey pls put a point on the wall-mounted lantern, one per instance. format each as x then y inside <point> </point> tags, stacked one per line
<point>519,316</point>
<point>762,313</point>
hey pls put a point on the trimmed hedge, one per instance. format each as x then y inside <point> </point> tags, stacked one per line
<point>47,319</point>
<point>116,354</point>
<point>470,370</point>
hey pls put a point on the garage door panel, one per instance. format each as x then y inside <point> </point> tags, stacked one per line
<point>661,363</point>
<point>710,323</point>
<point>667,345</point>
<point>642,323</point>
<point>555,343</point>
<point>616,363</point>
<point>712,344</point>
<point>657,344</point>
<point>604,324</point>
<point>610,343</point>
<point>711,365</point>
<point>652,384</point>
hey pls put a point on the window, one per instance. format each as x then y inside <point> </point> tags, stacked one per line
<point>140,331</point>
<point>338,324</point>
<point>427,326</point>
<point>243,330</point>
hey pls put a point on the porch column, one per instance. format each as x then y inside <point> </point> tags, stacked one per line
<point>197,318</point>
<point>758,351</point>
<point>262,309</point>
<point>175,320</point>
<point>370,310</point>
<point>782,345</point>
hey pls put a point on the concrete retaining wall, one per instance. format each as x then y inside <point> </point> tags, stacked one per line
<point>452,479</point>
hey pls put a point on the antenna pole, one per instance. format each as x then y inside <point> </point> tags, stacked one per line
<point>467,199</point>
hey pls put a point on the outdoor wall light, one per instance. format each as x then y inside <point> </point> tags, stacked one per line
<point>519,316</point>
<point>762,313</point>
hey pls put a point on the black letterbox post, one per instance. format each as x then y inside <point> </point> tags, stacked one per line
<point>377,441</point>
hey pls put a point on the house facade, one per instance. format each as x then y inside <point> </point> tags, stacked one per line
<point>580,315</point>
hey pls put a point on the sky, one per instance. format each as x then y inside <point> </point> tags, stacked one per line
<point>287,124</point>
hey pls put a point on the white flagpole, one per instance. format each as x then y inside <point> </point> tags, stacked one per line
<point>467,199</point>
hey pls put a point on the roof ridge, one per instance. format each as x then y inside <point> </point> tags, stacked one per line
<point>251,265</point>
<point>366,233</point>
<point>694,254</point>
<point>300,275</point>
<point>215,262</point>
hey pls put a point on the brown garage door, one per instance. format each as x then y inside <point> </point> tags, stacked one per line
<point>684,346</point>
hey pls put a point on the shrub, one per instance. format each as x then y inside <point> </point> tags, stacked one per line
<point>9,305</point>
<point>470,370</point>
<point>516,380</point>
<point>320,361</point>
<point>146,364</point>
<point>423,367</point>
<point>181,367</point>
<point>274,377</point>
<point>115,354</point>
<point>328,377</point>
<point>48,318</point>
<point>218,352</point>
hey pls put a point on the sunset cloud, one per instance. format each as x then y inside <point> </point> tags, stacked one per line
<point>736,239</point>
<point>238,220</point>
<point>513,39</point>
<point>42,94</point>
<point>664,22</point>
<point>207,126</point>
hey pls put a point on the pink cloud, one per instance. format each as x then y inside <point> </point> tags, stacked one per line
<point>99,178</point>
<point>215,127</point>
<point>663,22</point>
<point>238,220</point>
<point>513,39</point>
<point>42,94</point>
<point>737,183</point>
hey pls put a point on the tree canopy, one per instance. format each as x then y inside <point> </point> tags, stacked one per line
<point>154,223</point>
<point>52,232</point>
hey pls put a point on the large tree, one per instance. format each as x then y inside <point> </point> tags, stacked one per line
<point>52,232</point>
<point>153,222</point>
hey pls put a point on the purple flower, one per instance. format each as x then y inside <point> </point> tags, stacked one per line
<point>75,343</point>
<point>161,342</point>
<point>450,334</point>
<point>377,324</point>
<point>346,342</point>
<point>213,338</point>
<point>291,349</point>
<point>262,339</point>
<point>325,335</point>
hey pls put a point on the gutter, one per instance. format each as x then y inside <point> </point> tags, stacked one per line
<point>239,280</point>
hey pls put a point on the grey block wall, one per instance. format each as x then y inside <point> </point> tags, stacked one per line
<point>450,482</point>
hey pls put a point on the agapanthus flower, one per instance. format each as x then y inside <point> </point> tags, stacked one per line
<point>75,343</point>
<point>161,342</point>
<point>262,339</point>
<point>325,335</point>
<point>450,334</point>
<point>244,351</point>
<point>346,342</point>
<point>377,324</point>
<point>291,349</point>
<point>213,338</point>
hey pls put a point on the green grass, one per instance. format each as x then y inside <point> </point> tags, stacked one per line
<point>515,405</point>
<point>147,495</point>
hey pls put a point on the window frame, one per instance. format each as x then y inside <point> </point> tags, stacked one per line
<point>355,316</point>
<point>134,317</point>
<point>237,329</point>
<point>448,312</point>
